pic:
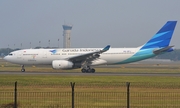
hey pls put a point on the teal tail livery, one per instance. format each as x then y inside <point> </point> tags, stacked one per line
<point>158,44</point>
<point>163,37</point>
<point>86,58</point>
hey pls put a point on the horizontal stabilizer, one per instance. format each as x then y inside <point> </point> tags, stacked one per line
<point>162,50</point>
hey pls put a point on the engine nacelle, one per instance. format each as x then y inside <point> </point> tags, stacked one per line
<point>62,64</point>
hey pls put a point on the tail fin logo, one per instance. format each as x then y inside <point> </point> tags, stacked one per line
<point>163,37</point>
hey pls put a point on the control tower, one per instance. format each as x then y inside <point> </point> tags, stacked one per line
<point>67,36</point>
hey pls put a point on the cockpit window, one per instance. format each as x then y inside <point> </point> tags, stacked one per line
<point>10,54</point>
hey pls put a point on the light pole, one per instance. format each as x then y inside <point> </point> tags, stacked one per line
<point>21,45</point>
<point>39,43</point>
<point>49,43</point>
<point>8,48</point>
<point>58,43</point>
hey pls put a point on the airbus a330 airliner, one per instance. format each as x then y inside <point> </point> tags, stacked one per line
<point>84,58</point>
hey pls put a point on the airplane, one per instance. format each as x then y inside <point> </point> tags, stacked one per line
<point>85,58</point>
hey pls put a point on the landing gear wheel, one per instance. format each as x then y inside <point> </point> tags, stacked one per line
<point>92,70</point>
<point>88,70</point>
<point>83,70</point>
<point>22,70</point>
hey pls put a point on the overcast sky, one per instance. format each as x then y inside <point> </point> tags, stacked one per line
<point>96,23</point>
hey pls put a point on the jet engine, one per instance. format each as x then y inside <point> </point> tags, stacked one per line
<point>62,64</point>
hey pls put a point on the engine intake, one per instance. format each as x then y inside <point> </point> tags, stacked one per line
<point>62,64</point>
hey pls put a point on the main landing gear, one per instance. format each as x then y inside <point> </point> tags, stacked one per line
<point>88,70</point>
<point>22,70</point>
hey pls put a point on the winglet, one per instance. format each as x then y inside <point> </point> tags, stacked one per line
<point>106,48</point>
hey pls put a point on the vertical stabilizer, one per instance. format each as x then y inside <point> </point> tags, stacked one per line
<point>163,37</point>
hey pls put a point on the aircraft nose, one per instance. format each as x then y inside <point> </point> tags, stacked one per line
<point>5,58</point>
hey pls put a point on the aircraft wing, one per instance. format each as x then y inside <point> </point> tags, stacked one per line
<point>88,56</point>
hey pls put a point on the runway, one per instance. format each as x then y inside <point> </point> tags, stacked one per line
<point>90,74</point>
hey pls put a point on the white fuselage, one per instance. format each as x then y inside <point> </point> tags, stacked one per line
<point>44,56</point>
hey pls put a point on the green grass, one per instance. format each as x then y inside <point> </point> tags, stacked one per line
<point>84,79</point>
<point>97,83</point>
<point>116,70</point>
<point>109,91</point>
<point>125,68</point>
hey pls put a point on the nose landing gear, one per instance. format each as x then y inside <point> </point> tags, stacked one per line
<point>88,70</point>
<point>22,70</point>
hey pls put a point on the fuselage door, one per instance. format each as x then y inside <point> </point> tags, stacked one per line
<point>44,54</point>
<point>19,55</point>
